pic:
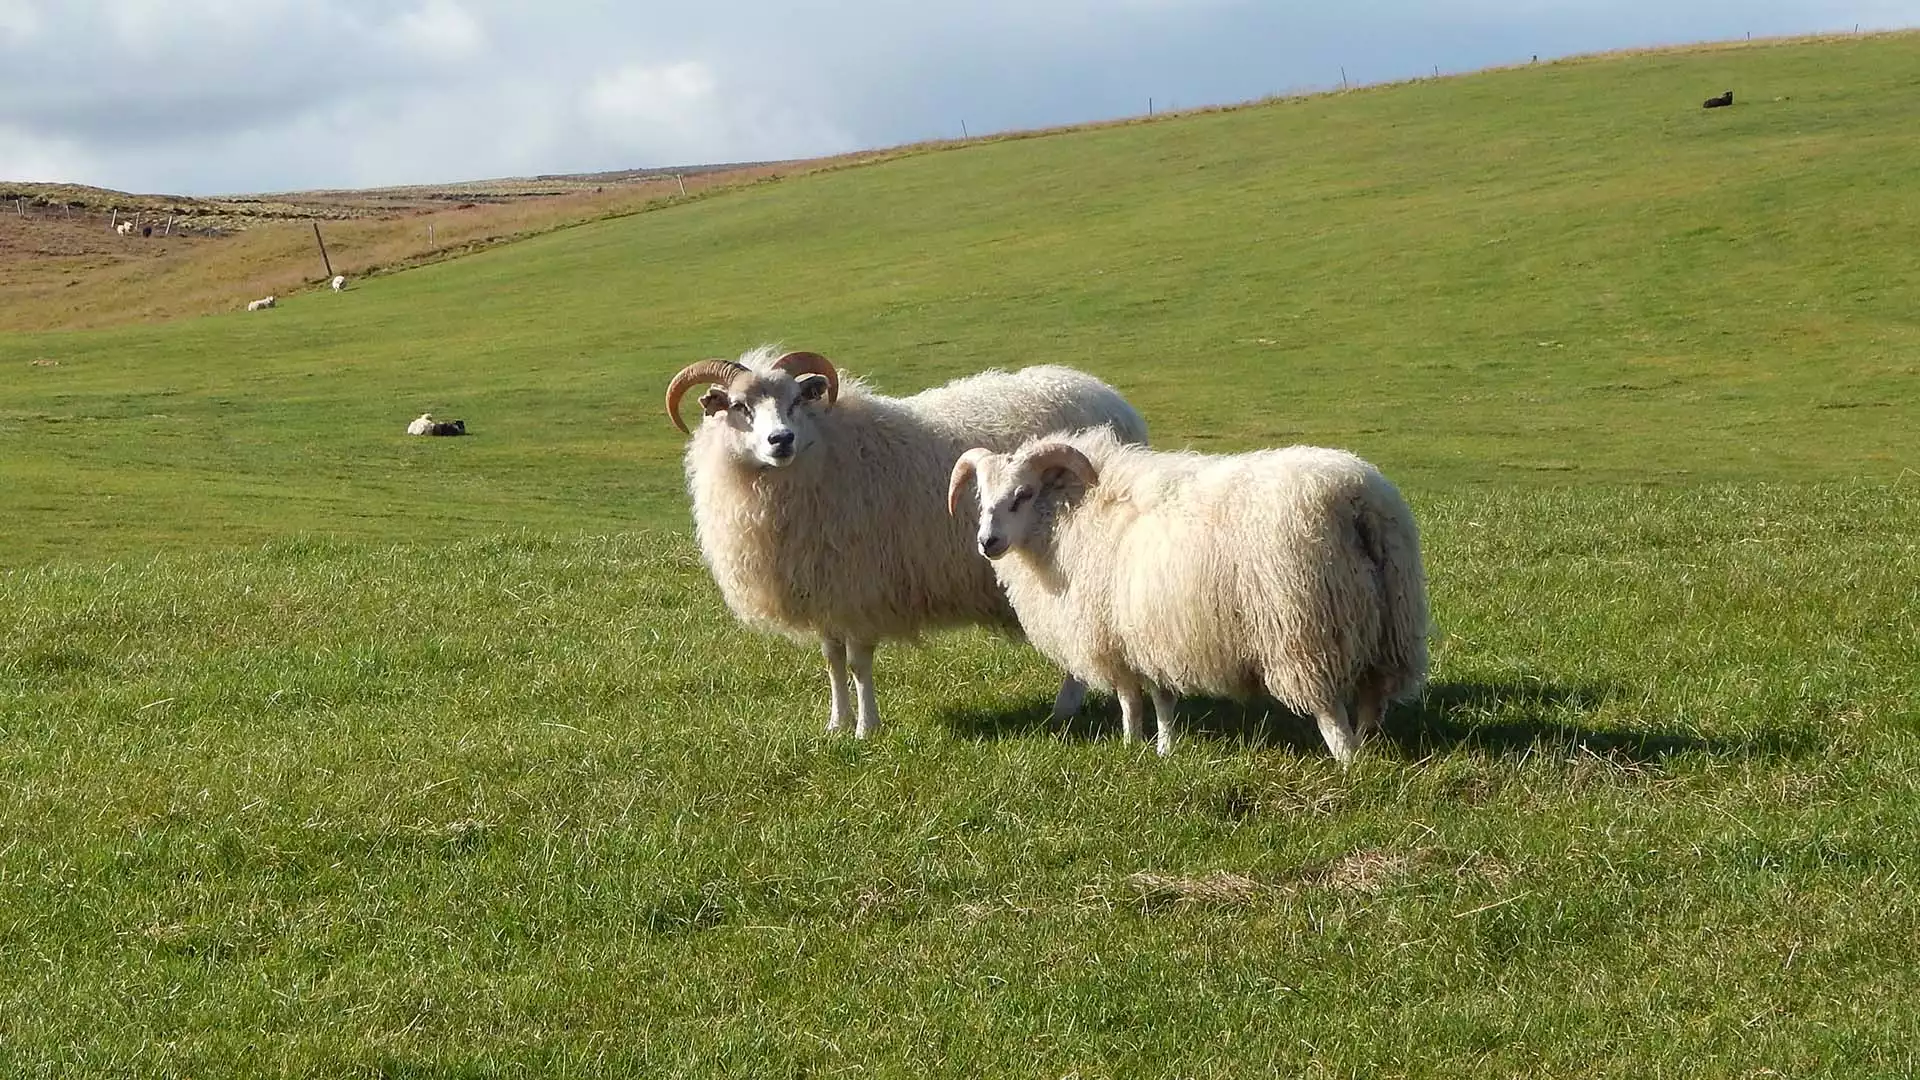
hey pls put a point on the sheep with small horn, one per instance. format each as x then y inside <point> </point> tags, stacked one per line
<point>819,507</point>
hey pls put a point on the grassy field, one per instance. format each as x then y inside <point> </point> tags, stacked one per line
<point>325,751</point>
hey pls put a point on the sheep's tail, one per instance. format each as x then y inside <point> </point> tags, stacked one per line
<point>1392,541</point>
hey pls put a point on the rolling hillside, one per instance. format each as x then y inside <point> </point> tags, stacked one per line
<point>1560,274</point>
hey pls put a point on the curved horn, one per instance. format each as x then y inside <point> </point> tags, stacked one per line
<point>963,471</point>
<point>797,364</point>
<point>1059,455</point>
<point>710,371</point>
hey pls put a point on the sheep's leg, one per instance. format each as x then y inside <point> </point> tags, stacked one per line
<point>860,657</point>
<point>1164,706</point>
<point>1133,712</point>
<point>841,710</point>
<point>1339,735</point>
<point>1072,695</point>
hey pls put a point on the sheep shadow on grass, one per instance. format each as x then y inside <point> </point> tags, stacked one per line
<point>1509,718</point>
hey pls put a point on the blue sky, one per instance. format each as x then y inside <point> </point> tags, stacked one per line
<point>210,96</point>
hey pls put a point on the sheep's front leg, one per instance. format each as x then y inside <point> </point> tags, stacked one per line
<point>1133,712</point>
<point>860,656</point>
<point>1072,695</point>
<point>1164,706</point>
<point>835,650</point>
<point>1338,733</point>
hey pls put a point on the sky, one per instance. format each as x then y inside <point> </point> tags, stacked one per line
<point>226,96</point>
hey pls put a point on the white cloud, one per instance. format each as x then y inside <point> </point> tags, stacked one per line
<point>664,95</point>
<point>442,30</point>
<point>681,113</point>
<point>146,25</point>
<point>19,21</point>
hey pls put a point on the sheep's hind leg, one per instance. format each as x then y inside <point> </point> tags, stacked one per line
<point>841,709</point>
<point>1370,709</point>
<point>1072,695</point>
<point>1164,707</point>
<point>1133,712</point>
<point>860,658</point>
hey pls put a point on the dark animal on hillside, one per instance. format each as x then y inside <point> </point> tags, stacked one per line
<point>1720,102</point>
<point>448,427</point>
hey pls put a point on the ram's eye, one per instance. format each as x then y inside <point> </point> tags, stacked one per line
<point>1020,496</point>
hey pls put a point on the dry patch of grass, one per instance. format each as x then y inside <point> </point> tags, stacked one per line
<point>60,272</point>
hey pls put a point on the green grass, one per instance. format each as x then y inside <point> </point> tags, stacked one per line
<point>324,751</point>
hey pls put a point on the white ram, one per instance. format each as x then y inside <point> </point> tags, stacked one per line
<point>817,502</point>
<point>1293,571</point>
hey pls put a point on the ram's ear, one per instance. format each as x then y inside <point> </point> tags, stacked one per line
<point>812,387</point>
<point>715,400</point>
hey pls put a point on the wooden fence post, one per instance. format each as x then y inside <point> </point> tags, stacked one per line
<point>324,261</point>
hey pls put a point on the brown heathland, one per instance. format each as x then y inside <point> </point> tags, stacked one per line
<point>63,266</point>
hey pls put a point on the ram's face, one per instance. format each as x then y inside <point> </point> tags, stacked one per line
<point>1009,504</point>
<point>773,418</point>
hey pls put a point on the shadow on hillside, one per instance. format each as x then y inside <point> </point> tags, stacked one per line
<point>1516,719</point>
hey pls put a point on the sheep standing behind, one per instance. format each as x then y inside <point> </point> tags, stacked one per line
<point>339,282</point>
<point>1292,571</point>
<point>261,304</point>
<point>817,502</point>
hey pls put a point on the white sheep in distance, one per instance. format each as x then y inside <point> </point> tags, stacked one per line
<point>421,425</point>
<point>817,502</point>
<point>261,304</point>
<point>339,282</point>
<point>1293,571</point>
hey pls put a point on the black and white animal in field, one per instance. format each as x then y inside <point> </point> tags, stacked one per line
<point>425,424</point>
<point>1720,102</point>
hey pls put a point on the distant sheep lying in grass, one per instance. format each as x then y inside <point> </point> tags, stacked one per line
<point>817,503</point>
<point>1293,571</point>
<point>425,424</point>
<point>1720,102</point>
<point>261,304</point>
<point>339,282</point>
